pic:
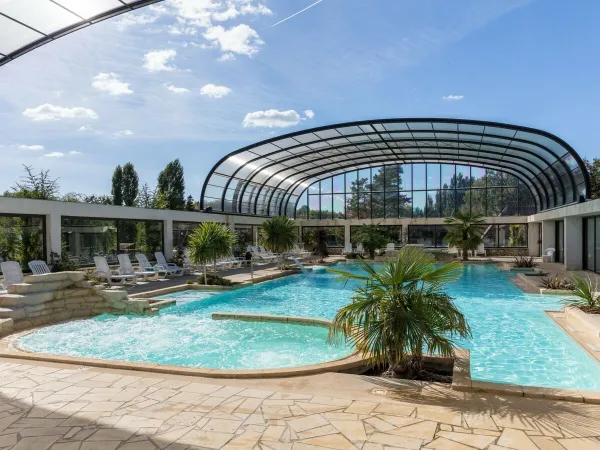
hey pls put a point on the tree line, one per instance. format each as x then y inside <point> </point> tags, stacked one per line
<point>169,192</point>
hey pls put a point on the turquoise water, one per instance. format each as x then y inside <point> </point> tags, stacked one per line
<point>514,341</point>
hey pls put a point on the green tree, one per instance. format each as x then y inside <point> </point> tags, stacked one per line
<point>72,197</point>
<point>209,242</point>
<point>117,186</point>
<point>190,204</point>
<point>372,237</point>
<point>35,185</point>
<point>145,197</point>
<point>593,168</point>
<point>278,234</point>
<point>400,310</point>
<point>98,199</point>
<point>465,231</point>
<point>171,184</point>
<point>129,185</point>
<point>318,239</point>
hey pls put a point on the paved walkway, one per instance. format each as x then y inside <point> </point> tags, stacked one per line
<point>62,407</point>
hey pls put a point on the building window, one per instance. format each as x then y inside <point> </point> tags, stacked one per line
<point>182,231</point>
<point>427,235</point>
<point>393,233</point>
<point>22,238</point>
<point>415,190</point>
<point>335,236</point>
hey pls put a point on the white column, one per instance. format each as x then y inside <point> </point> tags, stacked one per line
<point>533,237</point>
<point>548,234</point>
<point>168,238</point>
<point>573,242</point>
<point>53,234</point>
<point>346,233</point>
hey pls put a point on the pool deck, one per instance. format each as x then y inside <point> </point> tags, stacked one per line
<point>64,407</point>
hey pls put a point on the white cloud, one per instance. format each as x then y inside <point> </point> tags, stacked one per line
<point>211,90</point>
<point>47,112</point>
<point>309,114</point>
<point>226,57</point>
<point>109,82</point>
<point>176,90</point>
<point>31,147</point>
<point>271,119</point>
<point>128,20</point>
<point>74,152</point>
<point>54,155</point>
<point>452,98</point>
<point>156,61</point>
<point>182,30</point>
<point>124,133</point>
<point>240,39</point>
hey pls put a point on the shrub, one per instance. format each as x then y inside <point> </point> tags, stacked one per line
<point>587,293</point>
<point>524,262</point>
<point>62,263</point>
<point>214,280</point>
<point>557,283</point>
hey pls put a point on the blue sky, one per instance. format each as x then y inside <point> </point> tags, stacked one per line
<point>192,79</point>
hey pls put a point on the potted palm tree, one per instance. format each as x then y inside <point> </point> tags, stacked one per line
<point>209,242</point>
<point>399,311</point>
<point>372,237</point>
<point>465,231</point>
<point>278,234</point>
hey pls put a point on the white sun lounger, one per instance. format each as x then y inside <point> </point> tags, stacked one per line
<point>145,265</point>
<point>172,269</point>
<point>126,268</point>
<point>12,273</point>
<point>104,272</point>
<point>38,267</point>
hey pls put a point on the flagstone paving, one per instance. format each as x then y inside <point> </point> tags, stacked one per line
<point>63,407</point>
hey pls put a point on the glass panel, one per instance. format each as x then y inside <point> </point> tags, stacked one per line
<point>463,176</point>
<point>351,181</point>
<point>463,201</point>
<point>509,180</point>
<point>313,206</point>
<point>90,9</point>
<point>494,178</point>
<point>139,237</point>
<point>433,203</point>
<point>377,205</point>
<point>245,238</point>
<point>405,205</point>
<point>526,201</point>
<point>351,206</point>
<point>419,176</point>
<point>326,206</point>
<point>405,175</point>
<point>335,236</point>
<point>490,236</point>
<point>419,204</point>
<point>182,231</point>
<point>440,234</point>
<point>421,234</point>
<point>448,176</point>
<point>14,36</point>
<point>478,201</point>
<point>514,235</point>
<point>494,202</point>
<point>392,181</point>
<point>477,177</point>
<point>338,206</point>
<point>364,178</point>
<point>21,239</point>
<point>364,205</point>
<point>393,233</point>
<point>433,176</point>
<point>509,198</point>
<point>338,184</point>
<point>448,202</point>
<point>43,16</point>
<point>590,244</point>
<point>83,239</point>
<point>314,188</point>
<point>391,205</point>
<point>326,186</point>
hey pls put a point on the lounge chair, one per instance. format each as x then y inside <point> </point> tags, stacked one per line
<point>453,251</point>
<point>103,271</point>
<point>172,269</point>
<point>480,250</point>
<point>145,265</point>
<point>267,253</point>
<point>548,255</point>
<point>38,267</point>
<point>300,251</point>
<point>360,250</point>
<point>348,250</point>
<point>126,268</point>
<point>258,257</point>
<point>390,249</point>
<point>12,273</point>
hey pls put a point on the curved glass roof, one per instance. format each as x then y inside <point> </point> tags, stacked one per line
<point>27,24</point>
<point>268,177</point>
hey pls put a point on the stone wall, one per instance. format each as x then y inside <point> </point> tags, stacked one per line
<point>507,251</point>
<point>55,297</point>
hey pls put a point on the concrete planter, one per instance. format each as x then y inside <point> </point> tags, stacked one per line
<point>591,322</point>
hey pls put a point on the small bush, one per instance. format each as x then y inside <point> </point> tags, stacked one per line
<point>62,263</point>
<point>557,283</point>
<point>214,280</point>
<point>524,262</point>
<point>587,294</point>
<point>352,255</point>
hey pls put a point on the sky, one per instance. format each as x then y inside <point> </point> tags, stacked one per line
<point>197,79</point>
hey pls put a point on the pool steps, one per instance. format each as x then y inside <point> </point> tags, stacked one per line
<point>272,318</point>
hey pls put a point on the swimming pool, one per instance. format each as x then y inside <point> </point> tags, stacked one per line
<point>514,341</point>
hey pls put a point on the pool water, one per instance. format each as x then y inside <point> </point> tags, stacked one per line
<point>514,341</point>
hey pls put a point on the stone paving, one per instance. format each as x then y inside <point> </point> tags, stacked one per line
<point>61,407</point>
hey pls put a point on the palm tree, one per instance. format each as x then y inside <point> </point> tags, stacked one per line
<point>586,292</point>
<point>209,242</point>
<point>465,231</point>
<point>278,234</point>
<point>400,311</point>
<point>371,237</point>
<point>319,239</point>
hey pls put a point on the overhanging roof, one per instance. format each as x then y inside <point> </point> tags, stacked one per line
<point>269,176</point>
<point>28,24</point>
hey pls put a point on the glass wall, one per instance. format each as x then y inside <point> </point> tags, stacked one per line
<point>182,231</point>
<point>246,236</point>
<point>83,238</point>
<point>427,235</point>
<point>505,235</point>
<point>415,190</point>
<point>592,244</point>
<point>335,236</point>
<point>22,239</point>
<point>393,233</point>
